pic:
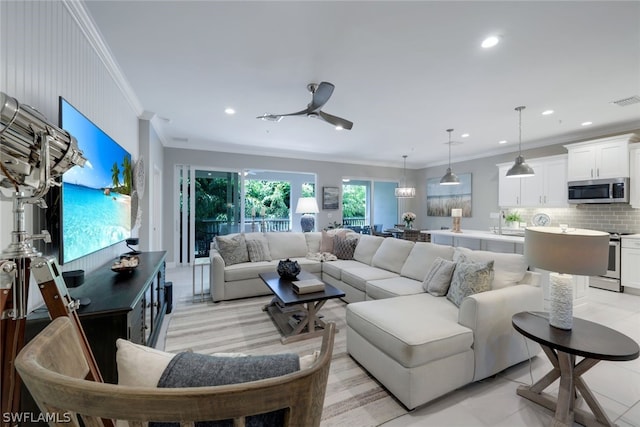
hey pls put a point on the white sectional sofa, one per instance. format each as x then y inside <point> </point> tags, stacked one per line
<point>419,346</point>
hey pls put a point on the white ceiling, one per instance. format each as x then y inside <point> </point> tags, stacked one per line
<point>404,72</point>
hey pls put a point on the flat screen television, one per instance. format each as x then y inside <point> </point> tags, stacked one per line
<point>95,201</point>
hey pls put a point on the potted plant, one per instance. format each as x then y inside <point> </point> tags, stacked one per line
<point>513,217</point>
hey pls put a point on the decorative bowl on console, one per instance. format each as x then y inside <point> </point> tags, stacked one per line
<point>126,264</point>
<point>288,269</point>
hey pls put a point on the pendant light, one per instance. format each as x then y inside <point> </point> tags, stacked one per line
<point>449,178</point>
<point>405,192</point>
<point>520,169</point>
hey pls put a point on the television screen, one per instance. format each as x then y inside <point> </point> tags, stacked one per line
<point>96,199</point>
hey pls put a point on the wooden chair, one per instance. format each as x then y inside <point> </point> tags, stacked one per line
<point>53,368</point>
<point>410,234</point>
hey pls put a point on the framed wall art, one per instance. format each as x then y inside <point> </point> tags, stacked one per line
<point>330,197</point>
<point>442,198</point>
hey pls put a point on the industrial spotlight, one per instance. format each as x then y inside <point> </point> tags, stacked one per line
<point>33,153</point>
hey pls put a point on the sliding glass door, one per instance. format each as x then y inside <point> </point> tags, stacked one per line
<point>367,203</point>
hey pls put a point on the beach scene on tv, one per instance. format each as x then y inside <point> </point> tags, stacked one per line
<point>96,199</point>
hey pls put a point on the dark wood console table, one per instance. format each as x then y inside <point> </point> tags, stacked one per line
<point>593,342</point>
<point>123,305</point>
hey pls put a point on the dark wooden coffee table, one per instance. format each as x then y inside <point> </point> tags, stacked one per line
<point>591,341</point>
<point>296,315</point>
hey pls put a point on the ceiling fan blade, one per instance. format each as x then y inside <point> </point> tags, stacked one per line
<point>321,95</point>
<point>335,120</point>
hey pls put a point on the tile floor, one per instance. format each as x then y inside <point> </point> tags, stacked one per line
<point>494,402</point>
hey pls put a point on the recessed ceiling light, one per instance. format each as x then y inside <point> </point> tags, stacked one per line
<point>490,41</point>
<point>547,112</point>
<point>345,180</point>
<point>504,141</point>
<point>464,135</point>
<point>586,123</point>
<point>229,111</point>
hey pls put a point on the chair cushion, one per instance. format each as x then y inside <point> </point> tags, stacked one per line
<point>392,254</point>
<point>422,256</point>
<point>366,248</point>
<point>469,278</point>
<point>411,329</point>
<point>509,269</point>
<point>232,248</point>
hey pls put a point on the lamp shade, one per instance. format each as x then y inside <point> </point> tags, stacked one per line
<point>307,205</point>
<point>574,251</point>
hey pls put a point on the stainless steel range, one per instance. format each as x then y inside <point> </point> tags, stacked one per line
<point>611,279</point>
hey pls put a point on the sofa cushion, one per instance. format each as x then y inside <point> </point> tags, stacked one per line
<point>313,239</point>
<point>392,254</point>
<point>359,276</point>
<point>509,269</point>
<point>393,287</point>
<point>411,329</point>
<point>366,248</point>
<point>344,246</point>
<point>232,248</point>
<point>334,268</point>
<point>284,245</point>
<point>469,278</point>
<point>422,256</point>
<point>258,248</point>
<point>248,270</point>
<point>438,278</point>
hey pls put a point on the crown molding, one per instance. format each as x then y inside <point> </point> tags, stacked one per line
<point>87,25</point>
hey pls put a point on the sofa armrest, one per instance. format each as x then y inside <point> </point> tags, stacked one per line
<point>531,278</point>
<point>216,275</point>
<point>497,345</point>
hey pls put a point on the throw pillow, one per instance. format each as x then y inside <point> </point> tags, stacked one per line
<point>326,242</point>
<point>233,249</point>
<point>258,250</point>
<point>438,279</point>
<point>344,246</point>
<point>139,365</point>
<point>469,278</point>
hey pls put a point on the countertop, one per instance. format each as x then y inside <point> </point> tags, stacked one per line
<point>478,234</point>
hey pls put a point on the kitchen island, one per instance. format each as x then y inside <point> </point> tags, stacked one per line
<point>479,240</point>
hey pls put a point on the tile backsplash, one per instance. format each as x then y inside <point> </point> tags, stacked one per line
<point>618,217</point>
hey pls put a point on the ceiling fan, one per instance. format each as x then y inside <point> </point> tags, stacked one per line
<point>320,95</point>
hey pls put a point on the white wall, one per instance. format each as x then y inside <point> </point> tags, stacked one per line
<point>49,49</point>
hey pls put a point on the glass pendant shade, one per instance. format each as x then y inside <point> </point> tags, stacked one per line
<point>405,192</point>
<point>520,168</point>
<point>449,178</point>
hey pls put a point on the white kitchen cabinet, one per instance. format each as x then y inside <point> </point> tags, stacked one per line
<point>630,262</point>
<point>508,188</point>
<point>634,172</point>
<point>548,187</point>
<point>599,159</point>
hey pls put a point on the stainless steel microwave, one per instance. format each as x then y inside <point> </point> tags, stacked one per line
<point>612,190</point>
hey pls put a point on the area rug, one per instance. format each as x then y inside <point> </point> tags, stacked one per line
<point>354,398</point>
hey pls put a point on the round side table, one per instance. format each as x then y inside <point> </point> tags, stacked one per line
<point>591,341</point>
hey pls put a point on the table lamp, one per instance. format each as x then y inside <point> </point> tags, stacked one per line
<point>307,206</point>
<point>565,251</point>
<point>456,214</point>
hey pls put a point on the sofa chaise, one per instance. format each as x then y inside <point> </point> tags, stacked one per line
<point>420,343</point>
